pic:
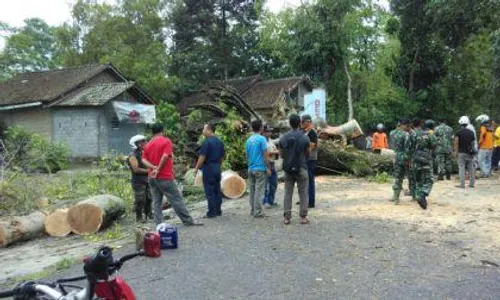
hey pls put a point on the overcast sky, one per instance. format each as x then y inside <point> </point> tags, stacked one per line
<point>56,12</point>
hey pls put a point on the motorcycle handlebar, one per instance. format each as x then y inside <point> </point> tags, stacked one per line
<point>7,294</point>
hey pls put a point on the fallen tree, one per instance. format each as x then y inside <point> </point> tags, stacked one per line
<point>56,223</point>
<point>95,213</point>
<point>21,228</point>
<point>334,158</point>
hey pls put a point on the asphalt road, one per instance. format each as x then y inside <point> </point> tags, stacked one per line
<point>238,257</point>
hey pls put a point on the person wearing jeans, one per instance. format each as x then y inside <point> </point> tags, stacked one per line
<point>294,148</point>
<point>464,151</point>
<point>272,180</point>
<point>157,156</point>
<point>307,125</point>
<point>485,148</point>
<point>258,168</point>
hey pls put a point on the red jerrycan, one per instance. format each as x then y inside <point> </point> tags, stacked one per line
<point>152,245</point>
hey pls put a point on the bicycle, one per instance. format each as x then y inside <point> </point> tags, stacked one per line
<point>98,269</point>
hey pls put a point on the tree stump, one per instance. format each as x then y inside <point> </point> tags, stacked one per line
<point>95,213</point>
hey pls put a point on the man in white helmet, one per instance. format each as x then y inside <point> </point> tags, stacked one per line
<point>139,180</point>
<point>465,150</point>
<point>485,145</point>
<point>379,139</point>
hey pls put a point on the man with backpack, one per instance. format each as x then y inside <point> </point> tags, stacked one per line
<point>465,150</point>
<point>294,147</point>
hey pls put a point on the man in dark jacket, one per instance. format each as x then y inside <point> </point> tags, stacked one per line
<point>210,160</point>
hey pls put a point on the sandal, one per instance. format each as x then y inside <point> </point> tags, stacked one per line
<point>304,221</point>
<point>286,222</point>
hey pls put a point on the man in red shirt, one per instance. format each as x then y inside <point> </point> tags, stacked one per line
<point>157,155</point>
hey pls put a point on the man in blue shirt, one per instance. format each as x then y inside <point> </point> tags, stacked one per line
<point>210,160</point>
<point>258,167</point>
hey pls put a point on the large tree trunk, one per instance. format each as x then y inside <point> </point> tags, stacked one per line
<point>14,229</point>
<point>56,223</point>
<point>349,92</point>
<point>232,185</point>
<point>95,213</point>
<point>334,158</point>
<point>411,83</point>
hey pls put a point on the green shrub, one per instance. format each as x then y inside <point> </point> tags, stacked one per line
<point>32,153</point>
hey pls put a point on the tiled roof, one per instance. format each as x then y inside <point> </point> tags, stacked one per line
<point>45,86</point>
<point>95,95</point>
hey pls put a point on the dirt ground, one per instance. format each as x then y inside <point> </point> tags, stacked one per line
<point>466,221</point>
<point>469,218</point>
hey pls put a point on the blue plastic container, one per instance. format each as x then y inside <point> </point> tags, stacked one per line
<point>169,236</point>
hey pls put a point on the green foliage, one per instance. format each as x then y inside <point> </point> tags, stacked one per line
<point>380,178</point>
<point>114,233</point>
<point>233,140</point>
<point>31,152</point>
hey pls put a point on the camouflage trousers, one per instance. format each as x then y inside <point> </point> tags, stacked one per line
<point>410,174</point>
<point>423,179</point>
<point>143,200</point>
<point>444,164</point>
<point>398,174</point>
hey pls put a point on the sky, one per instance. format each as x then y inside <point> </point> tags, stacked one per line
<point>56,12</point>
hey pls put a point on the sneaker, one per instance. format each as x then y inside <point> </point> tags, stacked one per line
<point>267,205</point>
<point>194,223</point>
<point>460,187</point>
<point>207,216</point>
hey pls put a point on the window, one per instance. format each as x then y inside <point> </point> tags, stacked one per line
<point>115,123</point>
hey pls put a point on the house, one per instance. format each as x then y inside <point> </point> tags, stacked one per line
<point>92,109</point>
<point>270,99</point>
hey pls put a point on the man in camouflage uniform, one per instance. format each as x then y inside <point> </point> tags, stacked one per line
<point>444,148</point>
<point>391,136</point>
<point>416,126</point>
<point>425,142</point>
<point>400,140</point>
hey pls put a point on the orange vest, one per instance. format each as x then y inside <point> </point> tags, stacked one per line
<point>379,141</point>
<point>486,138</point>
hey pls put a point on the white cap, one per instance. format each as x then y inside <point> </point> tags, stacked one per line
<point>482,119</point>
<point>135,139</point>
<point>464,120</point>
<point>380,126</point>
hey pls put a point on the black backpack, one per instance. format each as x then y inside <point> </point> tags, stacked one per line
<point>291,155</point>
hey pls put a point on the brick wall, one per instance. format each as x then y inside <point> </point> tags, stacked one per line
<point>79,129</point>
<point>35,120</point>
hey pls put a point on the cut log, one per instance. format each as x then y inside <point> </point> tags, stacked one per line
<point>21,228</point>
<point>95,213</point>
<point>232,185</point>
<point>56,223</point>
<point>332,155</point>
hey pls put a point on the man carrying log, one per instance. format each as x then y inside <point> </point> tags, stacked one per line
<point>294,149</point>
<point>400,140</point>
<point>158,157</point>
<point>139,180</point>
<point>210,160</point>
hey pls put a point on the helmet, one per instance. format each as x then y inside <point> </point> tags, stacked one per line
<point>380,126</point>
<point>135,139</point>
<point>429,124</point>
<point>482,119</point>
<point>464,120</point>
